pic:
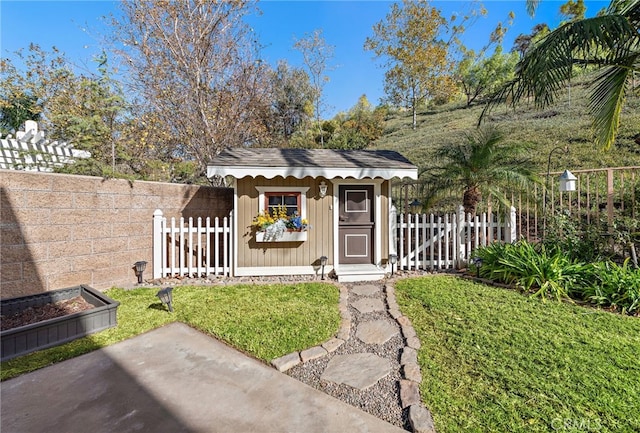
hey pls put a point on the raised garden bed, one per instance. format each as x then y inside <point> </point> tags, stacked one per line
<point>52,332</point>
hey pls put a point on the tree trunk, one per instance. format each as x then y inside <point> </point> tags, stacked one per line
<point>470,199</point>
<point>414,109</point>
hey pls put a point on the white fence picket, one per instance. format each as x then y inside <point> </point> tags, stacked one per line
<point>176,252</point>
<point>424,242</point>
<point>430,242</point>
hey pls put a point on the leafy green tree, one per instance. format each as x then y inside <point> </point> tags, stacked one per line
<point>610,43</point>
<point>292,101</point>
<point>81,109</point>
<point>573,10</point>
<point>359,127</point>
<point>88,113</point>
<point>482,164</point>
<point>483,77</point>
<point>410,40</point>
<point>28,80</point>
<point>15,109</point>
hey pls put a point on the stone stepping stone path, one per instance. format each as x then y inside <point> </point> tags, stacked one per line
<point>376,331</point>
<point>368,305</point>
<point>372,362</point>
<point>360,370</point>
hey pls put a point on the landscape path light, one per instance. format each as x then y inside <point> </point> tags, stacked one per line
<point>140,267</point>
<point>166,297</point>
<point>478,262</point>
<point>323,263</point>
<point>393,259</point>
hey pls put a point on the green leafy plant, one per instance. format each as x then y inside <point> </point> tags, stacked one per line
<point>547,273</point>
<point>615,285</point>
<point>575,237</point>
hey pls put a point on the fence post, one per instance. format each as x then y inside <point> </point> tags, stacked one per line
<point>610,199</point>
<point>462,253</point>
<point>510,234</point>
<point>393,230</point>
<point>157,244</point>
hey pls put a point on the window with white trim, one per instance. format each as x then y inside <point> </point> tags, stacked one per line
<point>294,199</point>
<point>288,200</point>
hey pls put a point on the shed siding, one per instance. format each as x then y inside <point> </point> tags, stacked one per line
<point>284,254</point>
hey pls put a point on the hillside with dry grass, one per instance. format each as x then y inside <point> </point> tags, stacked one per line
<point>567,122</point>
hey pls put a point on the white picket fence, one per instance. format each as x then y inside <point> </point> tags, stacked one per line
<point>430,242</point>
<point>188,248</point>
<point>427,242</point>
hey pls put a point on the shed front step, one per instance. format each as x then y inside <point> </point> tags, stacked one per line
<point>354,273</point>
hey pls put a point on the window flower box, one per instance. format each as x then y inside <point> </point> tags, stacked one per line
<point>279,226</point>
<point>287,236</point>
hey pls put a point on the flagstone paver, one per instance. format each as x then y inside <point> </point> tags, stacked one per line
<point>376,331</point>
<point>366,290</point>
<point>359,370</point>
<point>368,305</point>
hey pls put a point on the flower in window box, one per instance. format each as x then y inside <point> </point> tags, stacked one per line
<point>277,222</point>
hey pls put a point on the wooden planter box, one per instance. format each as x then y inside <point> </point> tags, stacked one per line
<point>288,236</point>
<point>36,336</point>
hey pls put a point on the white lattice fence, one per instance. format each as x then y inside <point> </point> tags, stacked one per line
<point>31,151</point>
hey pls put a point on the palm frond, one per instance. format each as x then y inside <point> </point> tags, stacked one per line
<point>532,5</point>
<point>611,41</point>
<point>606,103</point>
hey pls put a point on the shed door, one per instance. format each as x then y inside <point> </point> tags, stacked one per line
<point>356,225</point>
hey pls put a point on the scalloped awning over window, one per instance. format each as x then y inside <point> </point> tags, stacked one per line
<point>300,163</point>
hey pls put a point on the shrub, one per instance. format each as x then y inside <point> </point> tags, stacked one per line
<point>547,273</point>
<point>615,285</point>
<point>576,238</point>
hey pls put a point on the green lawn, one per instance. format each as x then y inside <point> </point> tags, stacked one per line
<point>496,360</point>
<point>265,321</point>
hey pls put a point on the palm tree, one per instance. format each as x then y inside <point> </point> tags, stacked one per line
<point>483,163</point>
<point>610,42</point>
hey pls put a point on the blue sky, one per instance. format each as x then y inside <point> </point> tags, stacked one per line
<point>75,27</point>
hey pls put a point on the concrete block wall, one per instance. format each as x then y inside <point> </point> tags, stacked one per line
<point>59,230</point>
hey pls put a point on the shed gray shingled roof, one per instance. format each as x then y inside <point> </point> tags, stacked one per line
<point>359,164</point>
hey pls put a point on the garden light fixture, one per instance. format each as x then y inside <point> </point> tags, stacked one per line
<point>166,297</point>
<point>140,267</point>
<point>323,263</point>
<point>323,189</point>
<point>393,259</point>
<point>478,263</point>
